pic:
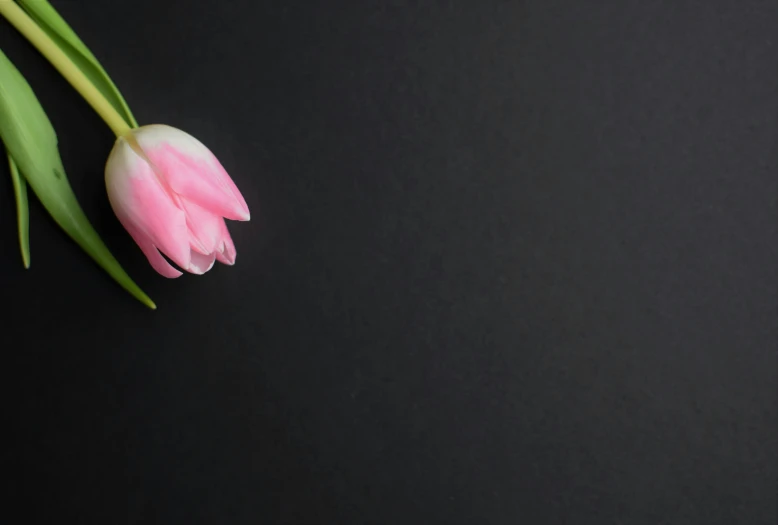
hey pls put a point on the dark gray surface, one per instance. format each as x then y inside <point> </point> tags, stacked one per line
<point>509,262</point>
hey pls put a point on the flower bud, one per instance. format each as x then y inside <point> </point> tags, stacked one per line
<point>172,195</point>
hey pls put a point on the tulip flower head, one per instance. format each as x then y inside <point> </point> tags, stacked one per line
<point>172,195</point>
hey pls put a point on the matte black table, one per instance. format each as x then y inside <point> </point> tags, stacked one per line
<point>509,262</point>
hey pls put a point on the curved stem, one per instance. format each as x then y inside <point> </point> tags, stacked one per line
<point>38,38</point>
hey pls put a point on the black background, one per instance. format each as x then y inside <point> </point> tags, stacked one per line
<point>508,262</point>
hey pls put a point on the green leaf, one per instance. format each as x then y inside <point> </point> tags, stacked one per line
<point>22,210</point>
<point>32,143</point>
<point>44,14</point>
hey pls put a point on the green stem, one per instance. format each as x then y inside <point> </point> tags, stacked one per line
<point>22,210</point>
<point>38,38</point>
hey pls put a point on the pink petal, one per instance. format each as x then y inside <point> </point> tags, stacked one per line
<point>139,199</point>
<point>201,263</point>
<point>203,227</point>
<point>195,243</point>
<point>156,260</point>
<point>226,253</point>
<point>192,170</point>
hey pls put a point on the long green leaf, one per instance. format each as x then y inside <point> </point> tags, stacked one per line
<point>30,139</point>
<point>44,14</point>
<point>22,210</point>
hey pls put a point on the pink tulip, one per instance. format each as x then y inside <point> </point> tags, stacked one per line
<point>172,195</point>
